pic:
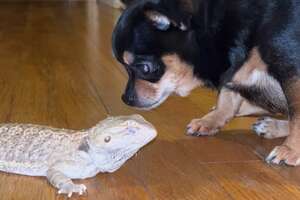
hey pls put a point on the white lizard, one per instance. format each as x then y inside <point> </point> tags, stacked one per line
<point>62,155</point>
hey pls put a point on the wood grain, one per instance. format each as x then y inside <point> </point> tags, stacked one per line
<point>57,69</point>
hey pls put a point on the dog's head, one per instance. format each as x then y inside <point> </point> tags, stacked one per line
<point>154,40</point>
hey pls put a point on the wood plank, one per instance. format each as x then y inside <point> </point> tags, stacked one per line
<point>57,69</point>
<point>254,181</point>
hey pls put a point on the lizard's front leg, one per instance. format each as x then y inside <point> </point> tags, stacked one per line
<point>59,176</point>
<point>64,184</point>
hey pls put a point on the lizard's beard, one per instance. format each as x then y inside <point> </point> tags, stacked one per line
<point>120,158</point>
<point>110,161</point>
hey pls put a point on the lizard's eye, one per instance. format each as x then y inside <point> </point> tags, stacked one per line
<point>107,139</point>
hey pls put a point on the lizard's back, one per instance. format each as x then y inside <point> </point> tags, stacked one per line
<point>29,149</point>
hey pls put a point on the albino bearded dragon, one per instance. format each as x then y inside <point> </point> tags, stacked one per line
<point>62,155</point>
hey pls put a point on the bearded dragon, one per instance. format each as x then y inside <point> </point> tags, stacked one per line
<point>62,155</point>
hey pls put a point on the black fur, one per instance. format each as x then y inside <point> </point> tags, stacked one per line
<point>218,39</point>
<point>262,97</point>
<point>127,2</point>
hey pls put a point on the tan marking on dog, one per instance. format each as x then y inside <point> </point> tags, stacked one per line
<point>146,89</point>
<point>230,104</point>
<point>180,73</point>
<point>271,128</point>
<point>178,78</point>
<point>252,65</point>
<point>289,151</point>
<point>248,109</point>
<point>294,123</point>
<point>128,57</point>
<point>254,73</point>
<point>294,96</point>
<point>277,129</point>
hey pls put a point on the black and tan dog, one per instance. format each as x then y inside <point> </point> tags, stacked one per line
<point>247,49</point>
<point>127,2</point>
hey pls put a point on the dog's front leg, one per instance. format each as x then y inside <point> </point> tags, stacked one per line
<point>289,151</point>
<point>228,106</point>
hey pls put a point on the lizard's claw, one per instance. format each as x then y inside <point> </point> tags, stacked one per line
<point>69,189</point>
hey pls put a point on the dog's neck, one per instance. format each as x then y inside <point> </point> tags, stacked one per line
<point>212,22</point>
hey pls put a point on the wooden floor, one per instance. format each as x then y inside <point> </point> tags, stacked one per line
<point>56,68</point>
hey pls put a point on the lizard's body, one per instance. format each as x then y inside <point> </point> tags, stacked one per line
<point>62,154</point>
<point>29,149</point>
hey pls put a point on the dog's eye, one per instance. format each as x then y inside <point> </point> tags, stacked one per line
<point>146,68</point>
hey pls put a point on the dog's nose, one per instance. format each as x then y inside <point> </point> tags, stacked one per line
<point>129,99</point>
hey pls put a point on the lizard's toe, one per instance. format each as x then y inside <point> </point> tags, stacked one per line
<point>69,189</point>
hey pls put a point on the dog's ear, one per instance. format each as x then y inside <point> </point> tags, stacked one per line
<point>165,13</point>
<point>163,22</point>
<point>159,20</point>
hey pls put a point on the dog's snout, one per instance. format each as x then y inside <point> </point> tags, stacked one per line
<point>129,99</point>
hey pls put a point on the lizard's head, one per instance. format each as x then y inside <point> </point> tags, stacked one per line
<point>113,141</point>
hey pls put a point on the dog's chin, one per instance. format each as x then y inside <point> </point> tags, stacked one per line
<point>146,106</point>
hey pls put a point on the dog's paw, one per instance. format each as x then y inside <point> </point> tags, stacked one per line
<point>270,128</point>
<point>69,189</point>
<point>284,155</point>
<point>202,127</point>
<point>264,127</point>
